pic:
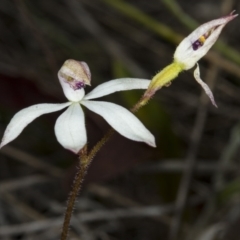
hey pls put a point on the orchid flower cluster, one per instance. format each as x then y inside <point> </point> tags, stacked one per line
<point>70,127</point>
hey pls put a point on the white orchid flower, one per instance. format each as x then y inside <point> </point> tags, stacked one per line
<point>70,127</point>
<point>197,44</point>
<point>189,51</point>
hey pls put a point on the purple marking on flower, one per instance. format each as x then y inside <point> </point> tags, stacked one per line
<point>78,85</point>
<point>197,44</point>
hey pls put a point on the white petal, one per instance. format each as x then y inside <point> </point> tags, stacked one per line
<point>122,121</point>
<point>21,119</point>
<point>189,57</point>
<point>117,85</point>
<point>71,94</point>
<point>204,85</point>
<point>70,128</point>
<point>185,52</point>
<point>204,28</point>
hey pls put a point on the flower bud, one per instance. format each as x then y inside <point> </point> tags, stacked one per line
<point>197,44</point>
<point>189,51</point>
<point>75,73</point>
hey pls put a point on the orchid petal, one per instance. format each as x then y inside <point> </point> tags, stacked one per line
<point>204,85</point>
<point>204,28</point>
<point>117,85</point>
<point>185,53</point>
<point>122,121</point>
<point>21,119</point>
<point>70,128</point>
<point>71,94</point>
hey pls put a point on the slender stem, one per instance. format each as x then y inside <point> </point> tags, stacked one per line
<point>73,195</point>
<point>142,102</point>
<point>84,162</point>
<point>100,144</point>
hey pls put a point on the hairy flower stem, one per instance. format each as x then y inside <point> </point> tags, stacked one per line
<point>160,80</point>
<point>84,162</point>
<point>142,102</point>
<point>82,170</point>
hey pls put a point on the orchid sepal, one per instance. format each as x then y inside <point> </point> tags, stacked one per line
<point>197,44</point>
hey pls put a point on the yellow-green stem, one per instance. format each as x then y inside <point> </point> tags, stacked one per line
<point>164,77</point>
<point>161,79</point>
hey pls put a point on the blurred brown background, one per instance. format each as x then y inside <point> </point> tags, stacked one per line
<point>186,188</point>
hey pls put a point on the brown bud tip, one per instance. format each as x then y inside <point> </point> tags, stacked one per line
<point>77,74</point>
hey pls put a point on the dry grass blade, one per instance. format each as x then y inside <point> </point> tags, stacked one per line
<point>31,161</point>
